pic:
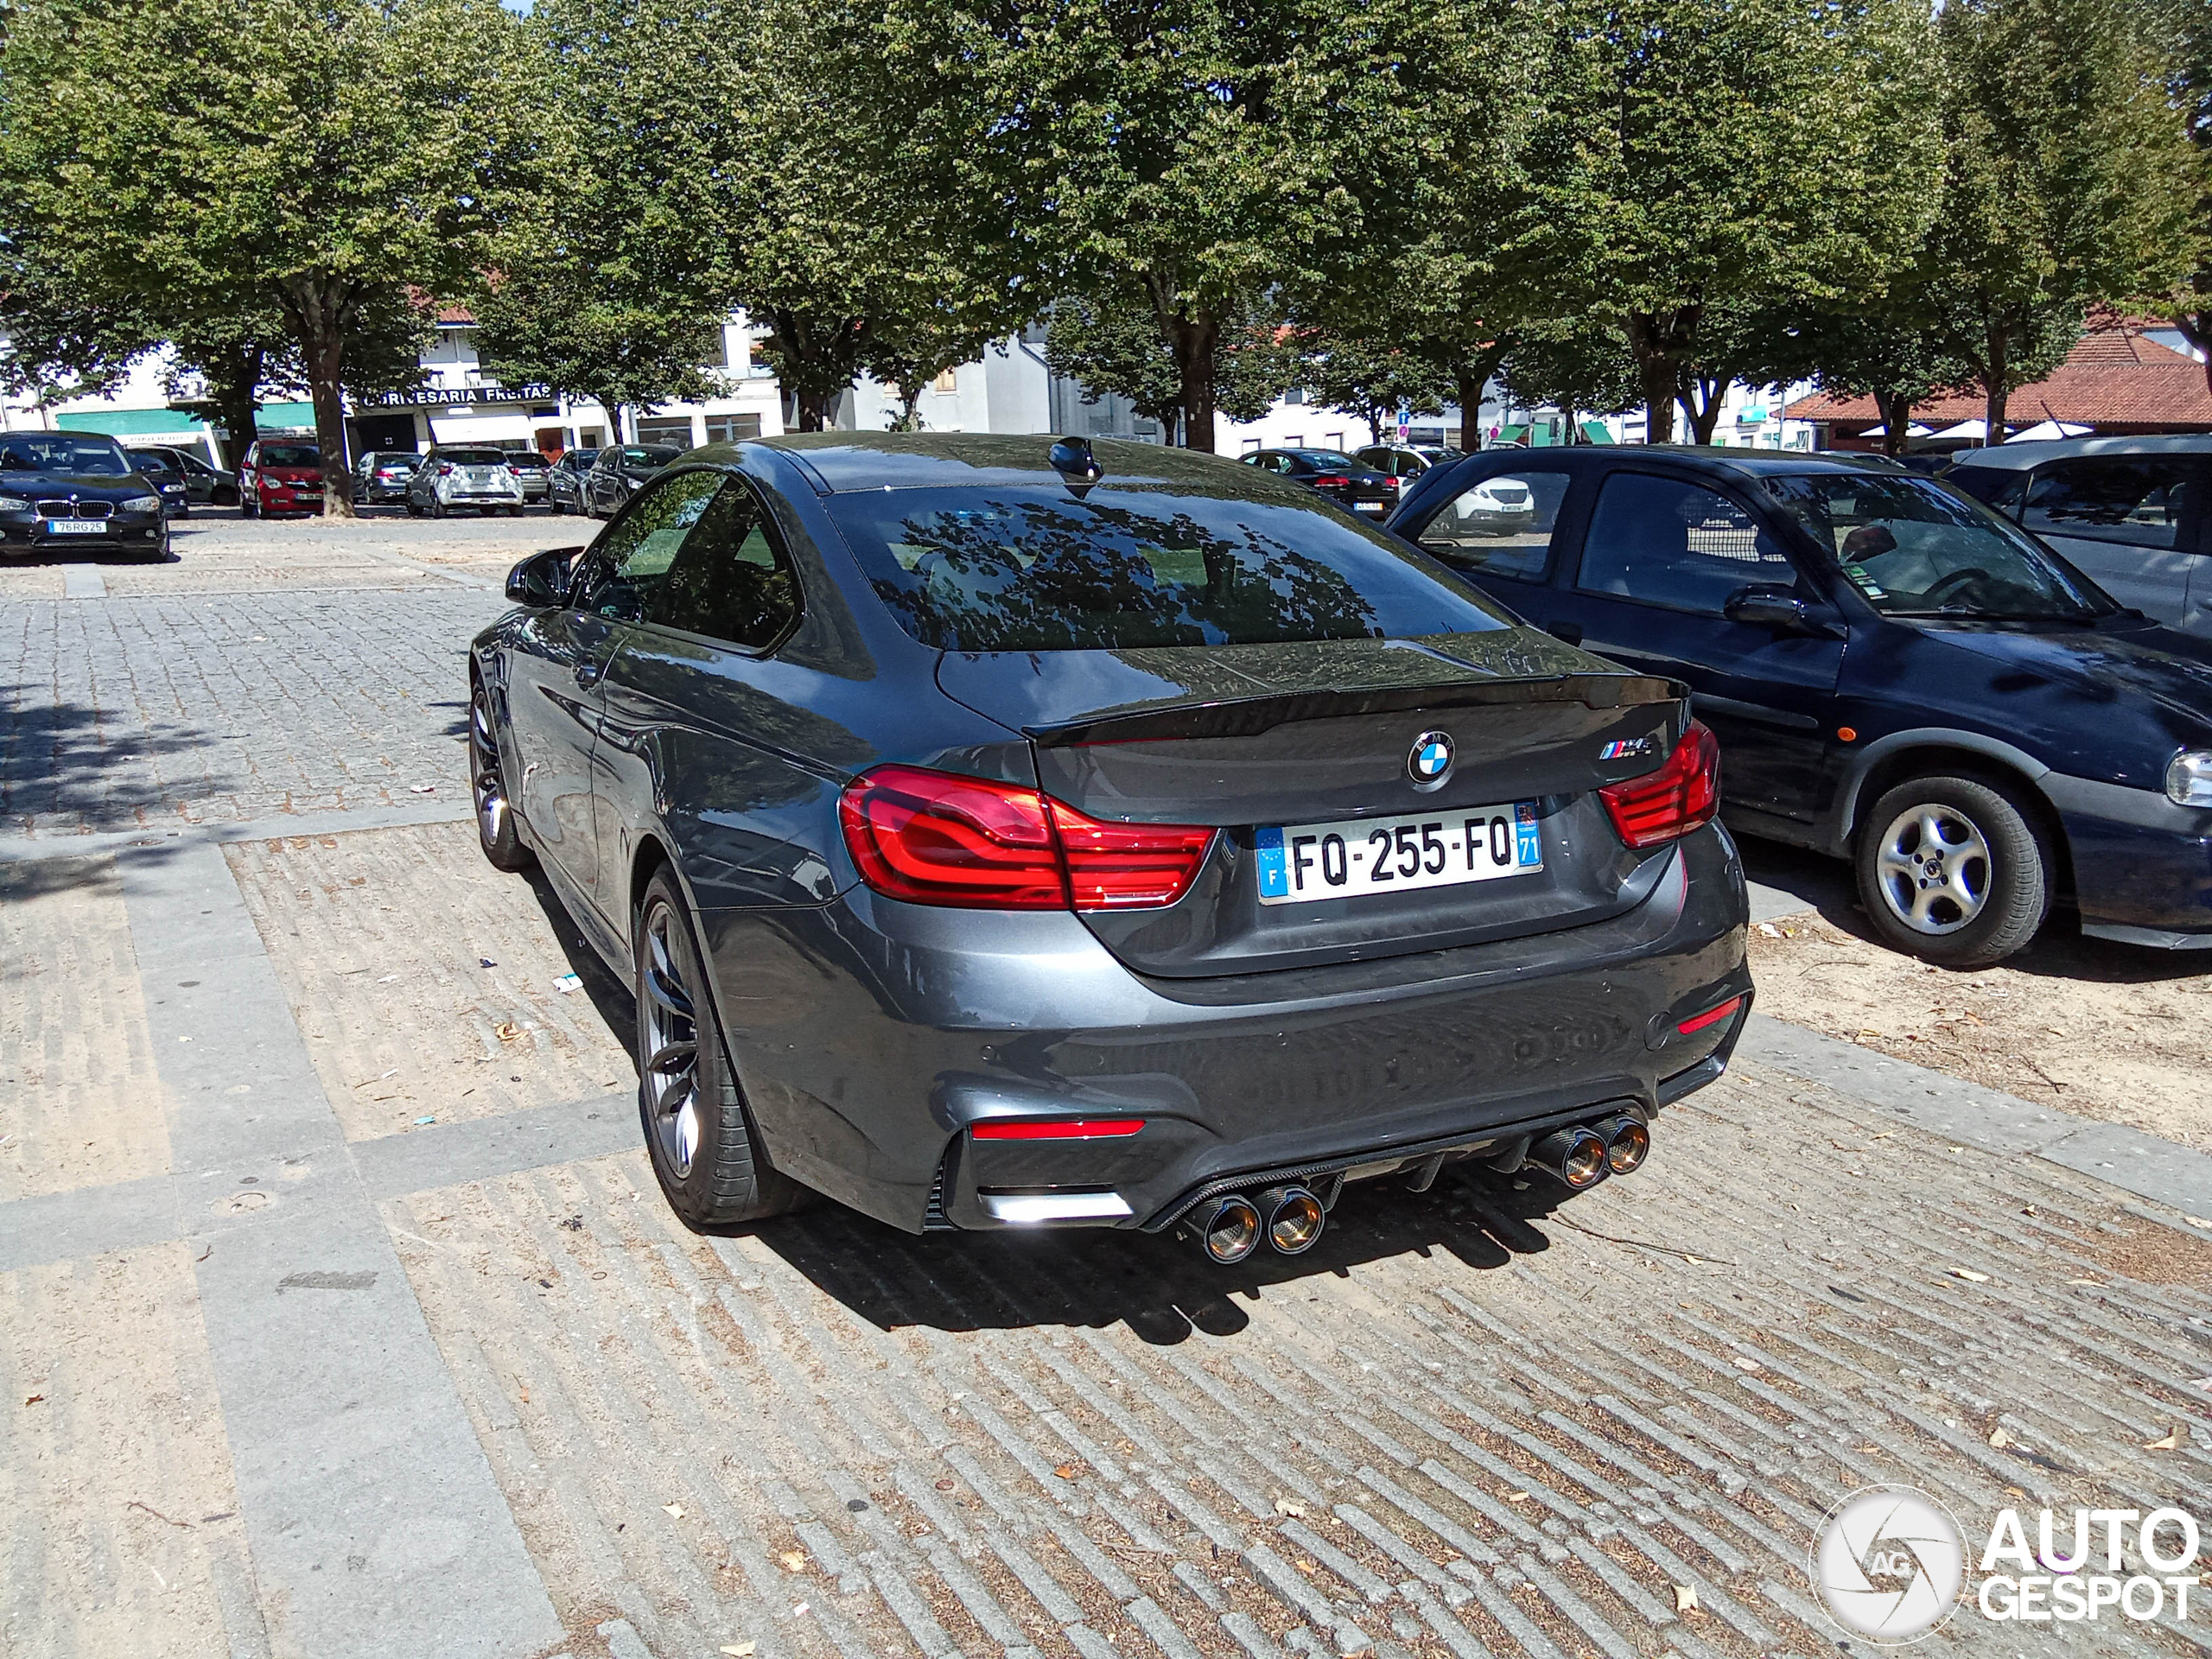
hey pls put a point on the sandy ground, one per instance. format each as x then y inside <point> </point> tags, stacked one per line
<point>2105,1031</point>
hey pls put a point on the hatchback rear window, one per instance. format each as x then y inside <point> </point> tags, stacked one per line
<point>290,454</point>
<point>1035,569</point>
<point>474,457</point>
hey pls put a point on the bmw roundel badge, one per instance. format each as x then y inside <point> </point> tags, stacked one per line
<point>1430,763</point>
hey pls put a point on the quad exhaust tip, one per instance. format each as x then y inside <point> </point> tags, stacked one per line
<point>1576,1158</point>
<point>1628,1142</point>
<point>1288,1217</point>
<point>1295,1219</point>
<point>1229,1231</point>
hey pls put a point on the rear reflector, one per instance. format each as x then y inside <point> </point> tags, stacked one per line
<point>1667,804</point>
<point>1056,1129</point>
<point>1711,1017</point>
<point>939,838</point>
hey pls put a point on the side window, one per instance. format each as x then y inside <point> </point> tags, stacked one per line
<point>2137,499</point>
<point>1667,542</point>
<point>1501,526</point>
<point>633,555</point>
<point>731,580</point>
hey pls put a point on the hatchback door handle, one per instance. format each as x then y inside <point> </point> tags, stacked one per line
<point>589,670</point>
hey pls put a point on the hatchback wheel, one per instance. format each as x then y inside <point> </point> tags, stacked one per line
<point>1954,870</point>
<point>495,829</point>
<point>705,1152</point>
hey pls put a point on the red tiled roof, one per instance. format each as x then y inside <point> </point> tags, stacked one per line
<point>456,313</point>
<point>2114,377</point>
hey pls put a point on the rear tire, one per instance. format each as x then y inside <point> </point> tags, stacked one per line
<point>497,831</point>
<point>1954,870</point>
<point>705,1152</point>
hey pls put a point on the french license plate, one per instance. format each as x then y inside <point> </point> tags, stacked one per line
<point>75,526</point>
<point>1302,862</point>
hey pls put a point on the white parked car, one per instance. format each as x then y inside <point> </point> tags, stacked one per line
<point>460,475</point>
<point>1496,507</point>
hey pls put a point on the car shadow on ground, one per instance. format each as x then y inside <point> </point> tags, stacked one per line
<point>1162,1287</point>
<point>2060,952</point>
<point>612,998</point>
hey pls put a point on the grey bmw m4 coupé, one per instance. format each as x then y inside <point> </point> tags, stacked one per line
<point>1001,832</point>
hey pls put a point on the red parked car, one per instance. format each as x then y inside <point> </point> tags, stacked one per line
<point>280,475</point>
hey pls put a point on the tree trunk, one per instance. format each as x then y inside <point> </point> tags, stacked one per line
<point>1468,391</point>
<point>2197,329</point>
<point>813,410</point>
<point>1195,340</point>
<point>1995,367</point>
<point>1702,398</point>
<point>1661,345</point>
<point>320,310</point>
<point>1896,410</point>
<point>233,380</point>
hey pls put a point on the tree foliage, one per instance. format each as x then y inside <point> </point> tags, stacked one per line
<point>1694,155</point>
<point>1110,341</point>
<point>2067,179</point>
<point>203,157</point>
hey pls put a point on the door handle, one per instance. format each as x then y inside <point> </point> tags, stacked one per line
<point>1568,632</point>
<point>589,671</point>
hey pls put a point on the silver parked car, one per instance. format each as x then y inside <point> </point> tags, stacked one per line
<point>2128,512</point>
<point>464,475</point>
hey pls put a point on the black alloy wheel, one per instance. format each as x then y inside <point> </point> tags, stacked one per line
<point>705,1152</point>
<point>497,831</point>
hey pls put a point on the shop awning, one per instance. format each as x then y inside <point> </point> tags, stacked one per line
<point>128,423</point>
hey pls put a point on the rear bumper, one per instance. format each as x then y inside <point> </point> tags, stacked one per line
<point>871,1036</point>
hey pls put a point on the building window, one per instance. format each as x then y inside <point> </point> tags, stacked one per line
<point>729,429</point>
<point>1295,441</point>
<point>949,381</point>
<point>1295,395</point>
<point>1251,446</point>
<point>674,429</point>
<point>1335,440</point>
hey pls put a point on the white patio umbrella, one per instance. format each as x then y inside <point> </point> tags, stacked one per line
<point>1971,430</point>
<point>2042,429</point>
<point>1914,430</point>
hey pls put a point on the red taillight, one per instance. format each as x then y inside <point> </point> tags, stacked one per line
<point>1711,1017</point>
<point>1127,866</point>
<point>1666,804</point>
<point>1331,481</point>
<point>445,469</point>
<point>937,838</point>
<point>1057,1129</point>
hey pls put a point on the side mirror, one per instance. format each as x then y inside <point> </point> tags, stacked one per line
<point>1761,606</point>
<point>541,580</point>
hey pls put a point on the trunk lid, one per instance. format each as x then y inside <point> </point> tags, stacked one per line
<point>1262,737</point>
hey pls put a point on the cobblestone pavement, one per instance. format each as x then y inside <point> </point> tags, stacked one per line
<point>318,1346</point>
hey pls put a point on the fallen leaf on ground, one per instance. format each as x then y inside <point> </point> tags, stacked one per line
<point>507,1031</point>
<point>793,1561</point>
<point>2171,1441</point>
<point>1516,1497</point>
<point>1065,1471</point>
<point>1307,1567</point>
<point>1290,1507</point>
<point>34,1399</point>
<point>1686,1599</point>
<point>674,1510</point>
<point>1998,1438</point>
<point>1743,1363</point>
<point>1970,1275</point>
<point>740,1651</point>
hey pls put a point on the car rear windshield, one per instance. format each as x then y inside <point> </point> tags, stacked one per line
<point>84,457</point>
<point>474,457</point>
<point>1335,458</point>
<point>1916,548</point>
<point>1036,569</point>
<point>649,455</point>
<point>290,454</point>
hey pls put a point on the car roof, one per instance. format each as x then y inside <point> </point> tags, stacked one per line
<point>878,460</point>
<point>2018,457</point>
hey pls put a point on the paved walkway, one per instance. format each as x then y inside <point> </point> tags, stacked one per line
<point>342,1317</point>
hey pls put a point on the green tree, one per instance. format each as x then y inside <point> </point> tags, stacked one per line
<point>1111,341</point>
<point>327,161</point>
<point>1369,378</point>
<point>2068,179</point>
<point>1576,366</point>
<point>1694,155</point>
<point>1209,155</point>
